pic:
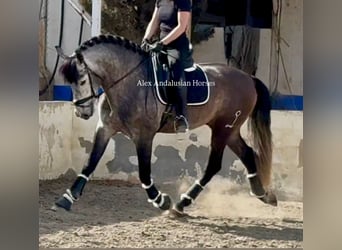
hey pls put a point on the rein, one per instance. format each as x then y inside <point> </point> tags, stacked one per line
<point>79,103</point>
<point>128,73</point>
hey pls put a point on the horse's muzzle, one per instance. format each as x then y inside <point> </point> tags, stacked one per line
<point>85,116</point>
<point>82,115</point>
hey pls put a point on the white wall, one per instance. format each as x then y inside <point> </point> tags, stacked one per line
<point>55,132</point>
<point>65,142</point>
<point>211,50</point>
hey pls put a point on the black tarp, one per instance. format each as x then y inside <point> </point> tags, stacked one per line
<point>254,13</point>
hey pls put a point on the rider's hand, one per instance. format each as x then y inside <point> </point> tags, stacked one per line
<point>156,47</point>
<point>145,45</point>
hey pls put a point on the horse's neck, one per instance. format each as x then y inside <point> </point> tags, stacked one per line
<point>121,70</point>
<point>111,61</point>
<point>126,91</point>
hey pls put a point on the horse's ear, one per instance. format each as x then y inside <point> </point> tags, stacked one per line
<point>79,56</point>
<point>62,54</point>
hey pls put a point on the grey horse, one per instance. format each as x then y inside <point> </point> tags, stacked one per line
<point>116,65</point>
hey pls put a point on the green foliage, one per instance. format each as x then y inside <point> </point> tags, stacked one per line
<point>129,18</point>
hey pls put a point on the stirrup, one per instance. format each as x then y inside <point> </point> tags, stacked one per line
<point>177,128</point>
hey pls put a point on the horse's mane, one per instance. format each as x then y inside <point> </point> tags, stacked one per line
<point>69,71</point>
<point>112,39</point>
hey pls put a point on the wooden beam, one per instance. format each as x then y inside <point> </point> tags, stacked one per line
<point>44,74</point>
<point>96,17</point>
<point>81,12</point>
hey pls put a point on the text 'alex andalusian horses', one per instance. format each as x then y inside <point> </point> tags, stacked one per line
<point>116,65</point>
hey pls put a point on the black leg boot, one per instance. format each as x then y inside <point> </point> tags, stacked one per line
<point>181,122</point>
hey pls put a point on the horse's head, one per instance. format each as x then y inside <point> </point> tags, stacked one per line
<point>76,72</point>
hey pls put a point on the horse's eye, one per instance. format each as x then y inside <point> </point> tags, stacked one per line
<point>82,82</point>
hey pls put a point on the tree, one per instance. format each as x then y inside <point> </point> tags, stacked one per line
<point>129,18</point>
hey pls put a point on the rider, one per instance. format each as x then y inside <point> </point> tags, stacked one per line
<point>172,18</point>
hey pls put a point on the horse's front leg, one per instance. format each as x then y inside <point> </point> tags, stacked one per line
<point>101,139</point>
<point>144,151</point>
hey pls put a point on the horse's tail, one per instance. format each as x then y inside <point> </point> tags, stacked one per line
<point>260,125</point>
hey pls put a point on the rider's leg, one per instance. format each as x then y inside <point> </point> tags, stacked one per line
<point>179,90</point>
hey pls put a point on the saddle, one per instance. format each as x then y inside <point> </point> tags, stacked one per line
<point>196,81</point>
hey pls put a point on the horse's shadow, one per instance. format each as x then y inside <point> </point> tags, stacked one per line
<point>97,207</point>
<point>258,232</point>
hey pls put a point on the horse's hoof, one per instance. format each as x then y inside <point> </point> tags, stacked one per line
<point>63,203</point>
<point>270,199</point>
<point>256,187</point>
<point>176,213</point>
<point>167,202</point>
<point>54,208</point>
<point>257,191</point>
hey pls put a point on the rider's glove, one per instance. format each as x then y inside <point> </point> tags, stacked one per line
<point>156,47</point>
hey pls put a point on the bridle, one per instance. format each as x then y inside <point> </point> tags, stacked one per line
<point>80,102</point>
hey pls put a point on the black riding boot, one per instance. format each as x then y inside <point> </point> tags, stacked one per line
<point>181,122</point>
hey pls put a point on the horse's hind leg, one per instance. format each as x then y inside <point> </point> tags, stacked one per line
<point>248,156</point>
<point>101,139</point>
<point>218,143</point>
<point>144,152</point>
